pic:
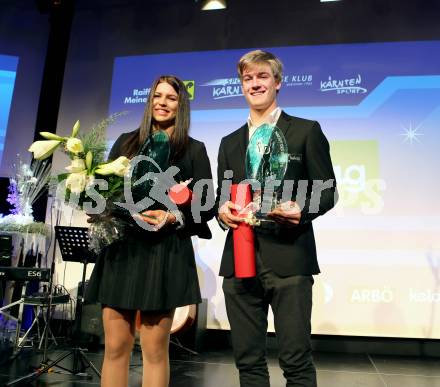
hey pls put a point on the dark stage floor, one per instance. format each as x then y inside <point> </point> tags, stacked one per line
<point>216,369</point>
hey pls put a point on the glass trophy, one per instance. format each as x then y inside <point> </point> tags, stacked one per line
<point>147,172</point>
<point>266,164</point>
<point>159,150</point>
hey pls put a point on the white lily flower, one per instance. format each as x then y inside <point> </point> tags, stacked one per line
<point>76,182</point>
<point>90,181</point>
<point>119,167</point>
<point>75,129</point>
<point>43,149</point>
<point>74,145</point>
<point>77,165</point>
<point>89,160</point>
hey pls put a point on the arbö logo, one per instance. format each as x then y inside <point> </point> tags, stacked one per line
<point>225,88</point>
<point>344,86</point>
<point>383,295</point>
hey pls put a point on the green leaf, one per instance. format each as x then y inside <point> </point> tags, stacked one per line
<point>51,136</point>
<point>62,176</point>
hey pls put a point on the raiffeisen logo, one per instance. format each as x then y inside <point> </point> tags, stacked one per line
<point>140,96</point>
<point>225,88</point>
<point>344,86</point>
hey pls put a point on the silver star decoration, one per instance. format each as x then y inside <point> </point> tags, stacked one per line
<point>411,134</point>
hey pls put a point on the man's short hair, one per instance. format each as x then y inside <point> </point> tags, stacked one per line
<point>259,57</point>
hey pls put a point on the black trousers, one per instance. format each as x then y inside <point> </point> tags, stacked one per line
<point>247,303</point>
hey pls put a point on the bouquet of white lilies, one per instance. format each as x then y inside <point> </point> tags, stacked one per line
<point>87,162</point>
<point>87,171</point>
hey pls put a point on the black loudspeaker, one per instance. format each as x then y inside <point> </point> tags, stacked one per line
<point>5,250</point>
<point>92,330</point>
<point>5,260</point>
<point>193,337</point>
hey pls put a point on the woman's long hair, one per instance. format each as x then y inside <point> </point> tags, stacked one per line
<point>179,139</point>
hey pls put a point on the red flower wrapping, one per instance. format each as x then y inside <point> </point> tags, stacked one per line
<point>180,194</point>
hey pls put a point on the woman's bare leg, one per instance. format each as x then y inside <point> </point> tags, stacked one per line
<point>119,340</point>
<point>155,338</point>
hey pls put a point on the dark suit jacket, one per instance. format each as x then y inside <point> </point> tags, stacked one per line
<point>287,251</point>
<point>194,164</point>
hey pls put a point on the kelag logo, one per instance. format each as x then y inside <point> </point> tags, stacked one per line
<point>225,88</point>
<point>190,88</point>
<point>344,86</point>
<point>356,166</point>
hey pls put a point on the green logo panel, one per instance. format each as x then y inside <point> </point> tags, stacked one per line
<point>190,88</point>
<point>356,165</point>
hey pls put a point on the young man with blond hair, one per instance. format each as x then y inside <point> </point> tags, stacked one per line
<point>285,249</point>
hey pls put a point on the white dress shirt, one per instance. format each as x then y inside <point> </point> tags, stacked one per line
<point>271,119</point>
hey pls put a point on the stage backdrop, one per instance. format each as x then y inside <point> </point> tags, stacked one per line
<point>379,106</point>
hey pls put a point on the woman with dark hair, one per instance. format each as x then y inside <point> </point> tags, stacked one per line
<point>152,271</point>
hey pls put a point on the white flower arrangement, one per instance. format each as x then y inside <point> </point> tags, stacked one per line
<point>26,185</point>
<point>87,160</point>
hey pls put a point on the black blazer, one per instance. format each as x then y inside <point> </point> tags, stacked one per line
<point>194,164</point>
<point>287,251</point>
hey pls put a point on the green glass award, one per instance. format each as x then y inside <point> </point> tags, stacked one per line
<point>157,151</point>
<point>266,164</point>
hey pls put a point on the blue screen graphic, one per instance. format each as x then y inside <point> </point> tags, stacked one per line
<point>8,71</point>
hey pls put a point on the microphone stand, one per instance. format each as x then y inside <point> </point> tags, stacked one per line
<point>52,271</point>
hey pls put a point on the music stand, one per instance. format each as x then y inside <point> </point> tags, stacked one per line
<point>74,247</point>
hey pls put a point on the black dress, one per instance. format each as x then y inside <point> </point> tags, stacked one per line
<point>154,271</point>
